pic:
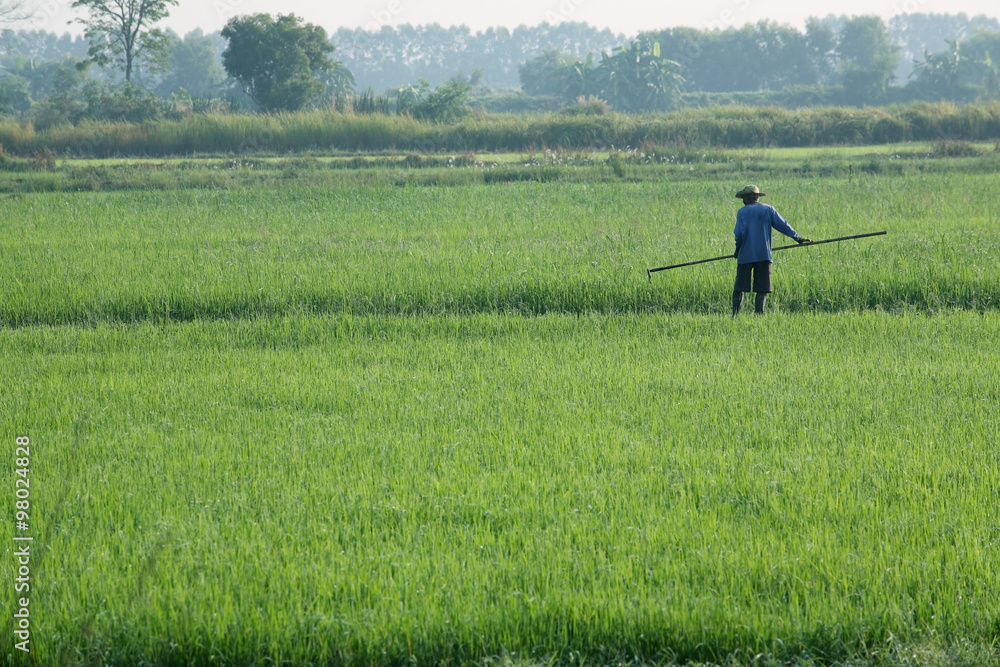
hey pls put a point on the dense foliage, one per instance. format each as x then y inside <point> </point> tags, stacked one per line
<point>834,61</point>
<point>277,59</point>
<point>387,57</point>
<point>856,64</point>
<point>634,78</point>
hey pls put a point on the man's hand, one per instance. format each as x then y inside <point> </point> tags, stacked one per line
<point>804,241</point>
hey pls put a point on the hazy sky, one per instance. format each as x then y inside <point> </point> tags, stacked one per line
<point>622,16</point>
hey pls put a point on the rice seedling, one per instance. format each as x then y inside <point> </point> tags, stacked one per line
<point>524,247</point>
<point>380,489</point>
<point>370,424</point>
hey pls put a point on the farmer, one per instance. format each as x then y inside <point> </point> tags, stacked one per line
<point>753,247</point>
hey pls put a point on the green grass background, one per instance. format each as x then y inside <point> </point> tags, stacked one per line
<point>529,248</point>
<point>431,426</point>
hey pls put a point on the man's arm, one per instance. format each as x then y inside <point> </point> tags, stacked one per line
<point>782,226</point>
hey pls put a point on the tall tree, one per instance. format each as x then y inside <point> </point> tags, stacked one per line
<point>338,83</point>
<point>580,79</point>
<point>822,45</point>
<point>543,75</point>
<point>961,72</point>
<point>444,104</point>
<point>867,59</point>
<point>121,31</point>
<point>920,34</point>
<point>991,73</point>
<point>394,56</point>
<point>277,60</point>
<point>193,66</point>
<point>940,74</point>
<point>15,93</point>
<point>637,78</point>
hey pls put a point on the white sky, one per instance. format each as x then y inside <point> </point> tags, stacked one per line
<point>622,16</point>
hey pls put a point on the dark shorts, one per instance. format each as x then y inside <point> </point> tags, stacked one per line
<point>761,277</point>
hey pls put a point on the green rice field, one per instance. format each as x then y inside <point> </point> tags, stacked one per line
<point>312,421</point>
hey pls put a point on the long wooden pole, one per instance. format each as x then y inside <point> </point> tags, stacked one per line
<point>650,272</point>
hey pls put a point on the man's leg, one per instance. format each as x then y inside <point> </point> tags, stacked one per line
<point>761,285</point>
<point>759,301</point>
<point>743,282</point>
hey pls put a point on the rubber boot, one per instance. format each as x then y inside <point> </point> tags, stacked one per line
<point>737,302</point>
<point>758,304</point>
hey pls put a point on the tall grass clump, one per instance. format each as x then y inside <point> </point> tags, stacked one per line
<point>370,102</point>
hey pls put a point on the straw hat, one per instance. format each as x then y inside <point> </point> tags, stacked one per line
<point>750,191</point>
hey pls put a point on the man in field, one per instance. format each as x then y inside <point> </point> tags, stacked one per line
<point>754,222</point>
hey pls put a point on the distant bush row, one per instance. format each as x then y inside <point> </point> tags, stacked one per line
<point>331,132</point>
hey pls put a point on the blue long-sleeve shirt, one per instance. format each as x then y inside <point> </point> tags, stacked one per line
<point>753,232</point>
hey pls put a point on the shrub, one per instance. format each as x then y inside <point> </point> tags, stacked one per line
<point>587,106</point>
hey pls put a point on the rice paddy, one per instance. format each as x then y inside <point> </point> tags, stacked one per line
<point>350,423</point>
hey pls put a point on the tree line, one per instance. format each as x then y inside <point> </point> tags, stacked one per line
<point>125,67</point>
<point>847,61</point>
